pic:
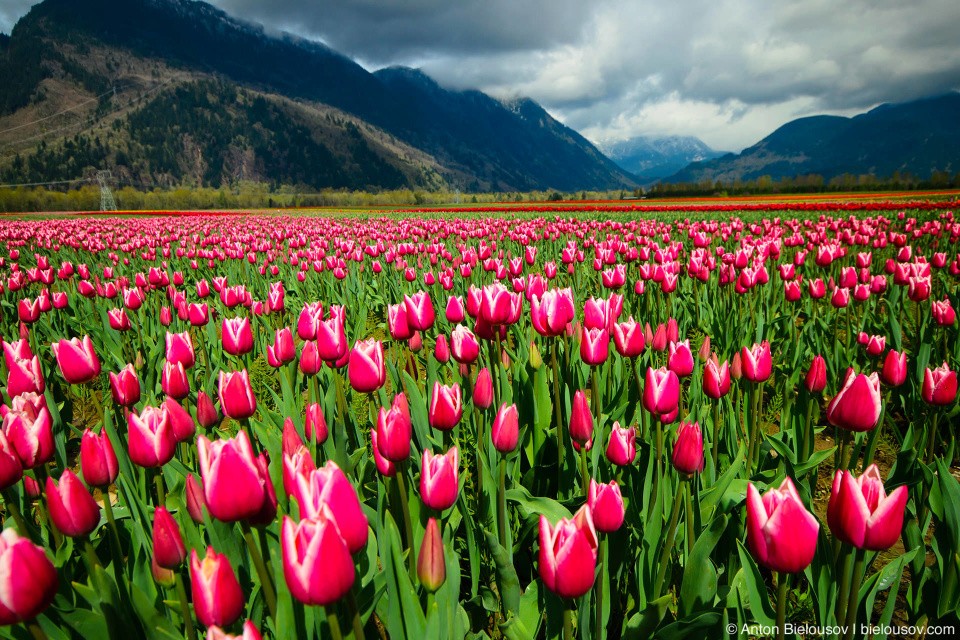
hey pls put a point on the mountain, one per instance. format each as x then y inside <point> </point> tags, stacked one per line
<point>652,157</point>
<point>177,91</point>
<point>920,137</point>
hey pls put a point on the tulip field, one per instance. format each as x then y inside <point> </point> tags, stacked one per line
<point>591,422</point>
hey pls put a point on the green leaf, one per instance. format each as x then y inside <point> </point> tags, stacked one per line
<point>699,586</point>
<point>536,505</point>
<point>641,625</point>
<point>507,581</point>
<point>759,602</point>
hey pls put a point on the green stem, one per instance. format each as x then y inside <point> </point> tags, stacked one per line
<point>873,437</point>
<point>584,472</point>
<point>595,389</point>
<point>92,558</point>
<point>355,619</point>
<point>568,624</point>
<point>668,544</point>
<point>808,429</point>
<point>601,555</point>
<point>715,441</point>
<point>191,632</point>
<point>844,446</point>
<point>688,517</point>
<point>853,599</point>
<point>114,535</point>
<point>502,502</point>
<point>782,579</point>
<point>14,510</point>
<point>161,494</point>
<point>266,584</point>
<point>407,527</point>
<point>844,585</point>
<point>559,418</point>
<point>332,622</point>
<point>932,440</point>
<point>659,472</point>
<point>754,428</point>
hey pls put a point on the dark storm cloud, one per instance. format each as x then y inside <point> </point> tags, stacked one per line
<point>729,71</point>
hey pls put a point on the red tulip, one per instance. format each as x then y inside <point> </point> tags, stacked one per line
<point>29,582</point>
<point>366,370</point>
<point>233,484</point>
<point>716,379</point>
<point>446,407</point>
<point>31,435</point>
<point>397,322</point>
<point>483,389</point>
<point>606,504</point>
<point>328,487</point>
<point>118,320</point>
<point>198,314</point>
<point>282,350</point>
<point>857,405</point>
<point>77,360</point>
<point>125,386</point>
<point>237,336</point>
<point>73,510</point>
<point>661,393</point>
<point>236,395</point>
<point>939,385</point>
<point>98,462</point>
<point>688,448</point>
<point>439,479</point>
<point>781,533</point>
<point>217,598</point>
<point>394,430</point>
<point>174,381</point>
<point>317,565</point>
<point>861,513</point>
<point>11,469</point>
<point>431,565</point>
<point>581,420</point>
<point>659,340</point>
<point>757,362</point>
<point>420,313</point>
<point>168,548</point>
<point>894,372</point>
<point>622,447</point>
<point>25,376</point>
<point>206,413</point>
<point>441,350</point>
<point>331,339</point>
<point>310,317</point>
<point>628,338</point>
<point>816,380</point>
<point>310,362</point>
<point>594,346</point>
<point>568,554</point>
<point>315,426</point>
<point>196,502</point>
<point>943,313</point>
<point>150,440</point>
<point>551,312</point>
<point>505,431</point>
<point>455,311</point>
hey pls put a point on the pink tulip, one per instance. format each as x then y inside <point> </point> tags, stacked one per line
<point>757,362</point>
<point>77,360</point>
<point>441,350</point>
<point>237,336</point>
<point>581,420</point>
<point>394,430</point>
<point>331,339</point>
<point>30,583</point>
<point>315,426</point>
<point>73,510</point>
<point>939,385</point>
<point>196,502</point>
<point>125,386</point>
<point>568,554</point>
<point>857,405</point>
<point>606,504</point>
<point>197,314</point>
<point>943,313</point>
<point>781,533</point>
<point>688,449</point>
<point>366,369</point>
<point>30,433</point>
<point>11,469</point>
<point>385,467</point>
<point>118,320</point>
<point>661,393</point>
<point>431,564</point>
<point>217,598</point>
<point>168,548</point>
<point>816,379</point>
<point>206,413</point>
<point>455,311</point>
<point>398,322</point>
<point>282,350</point>
<point>628,338</point>
<point>551,312</point>
<point>174,381</point>
<point>622,447</point>
<point>317,565</point>
<point>150,438</point>
<point>894,372</point>
<point>233,484</point>
<point>328,487</point>
<point>464,345</point>
<point>310,317</point>
<point>420,312</point>
<point>680,358</point>
<point>446,407</point>
<point>249,633</point>
<point>716,379</point>
<point>505,431</point>
<point>439,479</point>
<point>98,462</point>
<point>236,395</point>
<point>861,513</point>
<point>483,389</point>
<point>25,376</point>
<point>310,362</point>
<point>180,349</point>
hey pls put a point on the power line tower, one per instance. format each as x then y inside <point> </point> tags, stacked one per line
<point>456,196</point>
<point>106,196</point>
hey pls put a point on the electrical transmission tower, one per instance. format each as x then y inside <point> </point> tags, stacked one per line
<point>456,196</point>
<point>106,196</point>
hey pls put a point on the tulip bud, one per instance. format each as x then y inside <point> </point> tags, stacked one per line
<point>150,439</point>
<point>77,360</point>
<point>217,598</point>
<point>366,369</point>
<point>704,351</point>
<point>816,380</point>
<point>30,583</point>
<point>431,565</point>
<point>536,360</point>
<point>757,362</point>
<point>441,350</point>
<point>606,504</point>
<point>445,406</point>
<point>11,469</point>
<point>125,386</point>
<point>196,502</point>
<point>168,548</point>
<point>505,431</point>
<point>483,389</point>
<point>394,430</point>
<point>315,426</point>
<point>385,467</point>
<point>736,366</point>
<point>233,484</point>
<point>581,420</point>
<point>98,462</point>
<point>781,533</point>
<point>328,488</point>
<point>861,513</point>
<point>236,395</point>
<point>317,565</point>
<point>73,510</point>
<point>661,393</point>
<point>174,380</point>
<point>206,413</point>
<point>939,385</point>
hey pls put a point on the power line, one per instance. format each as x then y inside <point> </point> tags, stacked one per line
<point>40,184</point>
<point>74,107</point>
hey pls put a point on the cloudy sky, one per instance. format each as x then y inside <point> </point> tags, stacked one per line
<point>726,71</point>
